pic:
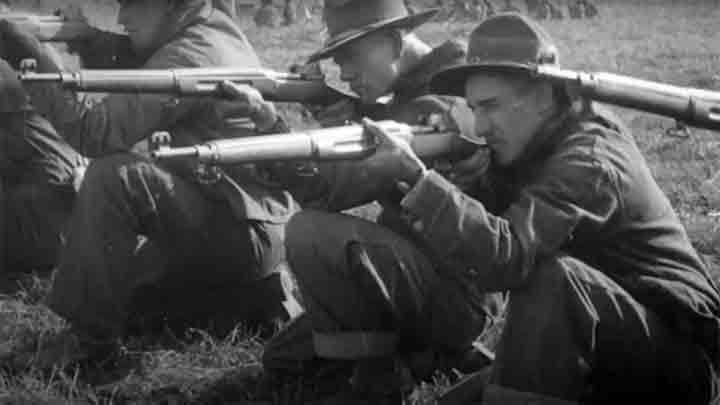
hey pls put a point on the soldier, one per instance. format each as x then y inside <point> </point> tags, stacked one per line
<point>509,7</point>
<point>546,9</point>
<point>575,10</point>
<point>532,7</point>
<point>589,10</point>
<point>147,243</point>
<point>266,15</point>
<point>609,302</point>
<point>289,13</point>
<point>372,43</point>
<point>489,9</point>
<point>38,175</point>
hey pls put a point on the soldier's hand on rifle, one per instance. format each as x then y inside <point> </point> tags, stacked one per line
<point>394,160</point>
<point>465,173</point>
<point>247,101</point>
<point>334,115</point>
<point>17,44</point>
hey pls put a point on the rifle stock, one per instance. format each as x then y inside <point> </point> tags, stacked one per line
<point>274,86</point>
<point>696,107</point>
<point>50,28</point>
<point>325,144</point>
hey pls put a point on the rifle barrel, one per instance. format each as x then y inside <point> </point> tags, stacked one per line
<point>695,107</point>
<point>325,144</point>
<point>273,85</point>
<point>51,28</point>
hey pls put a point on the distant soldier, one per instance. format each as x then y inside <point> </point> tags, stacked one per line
<point>228,7</point>
<point>574,10</point>
<point>266,16</point>
<point>289,14</point>
<point>589,10</point>
<point>409,7</point>
<point>555,12</point>
<point>532,6</point>
<point>509,7</point>
<point>488,10</point>
<point>547,10</point>
<point>461,9</point>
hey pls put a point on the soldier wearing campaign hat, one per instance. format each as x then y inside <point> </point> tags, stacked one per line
<point>379,57</point>
<point>609,302</point>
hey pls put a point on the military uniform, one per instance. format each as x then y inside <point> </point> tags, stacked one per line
<point>605,286</point>
<point>150,240</point>
<point>609,302</point>
<point>364,271</point>
<point>38,173</point>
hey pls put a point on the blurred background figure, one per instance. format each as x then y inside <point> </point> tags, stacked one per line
<point>228,7</point>
<point>509,7</point>
<point>588,8</point>
<point>409,7</point>
<point>289,13</point>
<point>532,7</point>
<point>266,15</point>
<point>546,10</point>
<point>484,10</point>
<point>582,9</point>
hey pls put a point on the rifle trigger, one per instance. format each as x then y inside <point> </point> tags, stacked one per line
<point>306,169</point>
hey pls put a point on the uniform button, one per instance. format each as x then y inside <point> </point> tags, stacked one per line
<point>473,272</point>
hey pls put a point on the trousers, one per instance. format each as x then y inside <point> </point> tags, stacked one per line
<point>145,243</point>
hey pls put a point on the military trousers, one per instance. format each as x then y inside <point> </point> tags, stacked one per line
<point>370,292</point>
<point>573,333</point>
<point>146,244</point>
<point>35,215</point>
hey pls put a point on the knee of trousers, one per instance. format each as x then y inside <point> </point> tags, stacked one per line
<point>113,177</point>
<point>307,233</point>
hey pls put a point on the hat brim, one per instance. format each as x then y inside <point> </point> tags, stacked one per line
<point>409,22</point>
<point>451,81</point>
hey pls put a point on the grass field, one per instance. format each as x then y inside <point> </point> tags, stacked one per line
<point>668,41</point>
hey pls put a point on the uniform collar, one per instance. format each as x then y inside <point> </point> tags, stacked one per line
<point>416,82</point>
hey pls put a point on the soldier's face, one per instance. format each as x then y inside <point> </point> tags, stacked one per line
<point>506,114</point>
<point>369,65</point>
<point>144,21</point>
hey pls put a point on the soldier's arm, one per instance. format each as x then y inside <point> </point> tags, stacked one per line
<point>498,252</point>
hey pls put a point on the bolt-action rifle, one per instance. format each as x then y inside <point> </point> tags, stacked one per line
<point>325,144</point>
<point>695,107</point>
<point>52,28</point>
<point>274,86</point>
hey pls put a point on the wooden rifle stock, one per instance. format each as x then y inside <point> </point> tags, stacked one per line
<point>325,144</point>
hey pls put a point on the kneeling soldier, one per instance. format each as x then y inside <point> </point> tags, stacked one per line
<point>609,302</point>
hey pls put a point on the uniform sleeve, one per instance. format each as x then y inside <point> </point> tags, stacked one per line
<point>97,126</point>
<point>573,195</point>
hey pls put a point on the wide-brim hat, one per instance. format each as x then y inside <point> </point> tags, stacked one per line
<point>347,21</point>
<point>506,42</point>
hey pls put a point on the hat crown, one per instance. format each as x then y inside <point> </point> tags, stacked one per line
<point>343,16</point>
<point>511,38</point>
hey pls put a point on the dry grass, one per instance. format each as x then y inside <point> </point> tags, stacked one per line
<point>673,42</point>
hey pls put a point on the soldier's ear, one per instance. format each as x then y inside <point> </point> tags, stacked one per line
<point>397,40</point>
